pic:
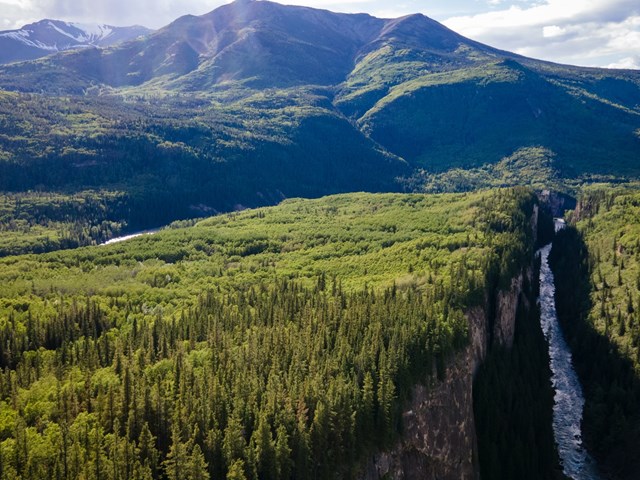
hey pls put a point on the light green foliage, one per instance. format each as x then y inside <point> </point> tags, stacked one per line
<point>609,219</point>
<point>360,238</point>
<point>533,166</point>
<point>270,343</point>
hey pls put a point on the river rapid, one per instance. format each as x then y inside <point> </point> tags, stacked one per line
<point>576,462</point>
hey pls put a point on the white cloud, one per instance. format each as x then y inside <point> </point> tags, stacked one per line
<point>117,12</point>
<point>627,62</point>
<point>392,12</point>
<point>582,32</point>
<point>16,3</point>
<point>16,13</point>
<point>376,8</point>
<point>553,31</point>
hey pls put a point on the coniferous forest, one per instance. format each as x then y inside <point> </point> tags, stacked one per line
<point>273,343</point>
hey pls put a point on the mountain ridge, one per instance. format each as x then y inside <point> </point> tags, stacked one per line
<point>47,36</point>
<point>229,41</point>
<point>240,29</point>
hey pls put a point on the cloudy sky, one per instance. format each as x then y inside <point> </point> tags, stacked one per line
<point>603,33</point>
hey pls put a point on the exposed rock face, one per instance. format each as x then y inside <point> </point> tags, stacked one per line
<point>439,437</point>
<point>556,202</point>
<point>506,306</point>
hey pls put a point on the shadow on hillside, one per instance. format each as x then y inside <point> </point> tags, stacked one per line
<point>611,422</point>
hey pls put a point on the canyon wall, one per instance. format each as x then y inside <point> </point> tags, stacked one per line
<point>438,440</point>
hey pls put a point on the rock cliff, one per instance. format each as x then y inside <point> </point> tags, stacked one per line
<point>439,438</point>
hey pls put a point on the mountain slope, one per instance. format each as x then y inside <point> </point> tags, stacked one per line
<point>184,157</point>
<point>484,113</point>
<point>49,36</point>
<point>263,41</point>
<point>255,101</point>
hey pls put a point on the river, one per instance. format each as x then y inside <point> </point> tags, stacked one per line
<point>576,462</point>
<point>130,236</point>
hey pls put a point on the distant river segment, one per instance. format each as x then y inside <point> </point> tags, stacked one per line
<point>576,462</point>
<point>130,236</point>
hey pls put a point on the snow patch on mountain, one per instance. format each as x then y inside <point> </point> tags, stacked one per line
<point>90,33</point>
<point>94,30</point>
<point>48,36</point>
<point>22,36</point>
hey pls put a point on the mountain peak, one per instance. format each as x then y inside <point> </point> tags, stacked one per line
<point>48,36</point>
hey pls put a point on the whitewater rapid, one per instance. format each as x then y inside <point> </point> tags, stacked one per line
<point>576,462</point>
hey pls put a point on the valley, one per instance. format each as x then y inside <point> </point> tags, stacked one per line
<point>599,315</point>
<point>330,268</point>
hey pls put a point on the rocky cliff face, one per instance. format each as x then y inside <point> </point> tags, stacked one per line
<point>557,202</point>
<point>439,437</point>
<point>506,306</point>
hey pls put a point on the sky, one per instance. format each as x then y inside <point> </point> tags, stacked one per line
<point>601,33</point>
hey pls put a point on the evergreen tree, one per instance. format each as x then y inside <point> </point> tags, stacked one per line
<point>197,467</point>
<point>236,471</point>
<point>177,461</point>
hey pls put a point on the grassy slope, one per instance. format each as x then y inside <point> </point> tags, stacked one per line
<point>145,330</point>
<point>481,113</point>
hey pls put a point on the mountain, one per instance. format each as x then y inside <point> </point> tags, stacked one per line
<point>265,45</point>
<point>257,101</point>
<point>49,36</point>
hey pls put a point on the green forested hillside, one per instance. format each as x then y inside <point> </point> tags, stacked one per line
<point>255,102</point>
<point>476,115</point>
<point>597,268</point>
<point>280,342</point>
<point>186,156</point>
<point>272,343</point>
<point>534,166</point>
<point>37,222</point>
